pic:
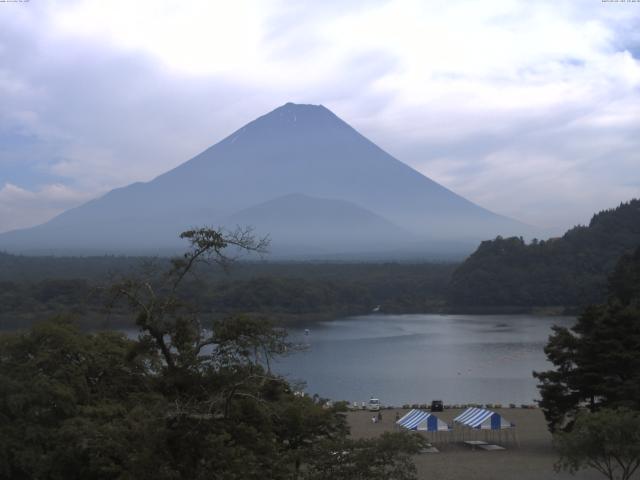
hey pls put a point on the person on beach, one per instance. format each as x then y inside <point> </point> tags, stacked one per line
<point>379,417</point>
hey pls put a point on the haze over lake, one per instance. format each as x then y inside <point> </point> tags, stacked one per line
<point>417,358</point>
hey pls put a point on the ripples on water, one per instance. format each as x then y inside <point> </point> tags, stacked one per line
<point>416,358</point>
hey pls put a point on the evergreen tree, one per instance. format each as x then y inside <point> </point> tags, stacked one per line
<point>597,361</point>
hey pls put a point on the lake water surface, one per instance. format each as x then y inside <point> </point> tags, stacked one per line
<point>416,358</point>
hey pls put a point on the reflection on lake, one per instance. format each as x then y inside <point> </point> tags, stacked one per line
<point>417,358</point>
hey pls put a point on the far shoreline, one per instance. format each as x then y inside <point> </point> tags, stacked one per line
<point>99,321</point>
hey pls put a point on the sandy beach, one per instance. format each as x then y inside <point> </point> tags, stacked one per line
<point>532,459</point>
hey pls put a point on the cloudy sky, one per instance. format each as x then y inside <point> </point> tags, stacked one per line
<point>531,109</point>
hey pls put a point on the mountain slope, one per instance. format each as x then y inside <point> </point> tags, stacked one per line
<point>295,148</point>
<point>302,223</point>
<point>570,271</point>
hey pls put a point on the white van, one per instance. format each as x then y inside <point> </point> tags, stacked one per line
<point>373,405</point>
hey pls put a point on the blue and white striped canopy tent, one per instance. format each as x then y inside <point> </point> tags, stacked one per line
<point>422,421</point>
<point>481,419</point>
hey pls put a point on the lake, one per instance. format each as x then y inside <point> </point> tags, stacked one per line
<point>416,358</point>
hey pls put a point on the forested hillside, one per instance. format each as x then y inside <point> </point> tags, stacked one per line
<point>569,271</point>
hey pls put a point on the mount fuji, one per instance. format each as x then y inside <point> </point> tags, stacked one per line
<point>299,174</point>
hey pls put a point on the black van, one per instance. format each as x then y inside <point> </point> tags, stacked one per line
<point>436,406</point>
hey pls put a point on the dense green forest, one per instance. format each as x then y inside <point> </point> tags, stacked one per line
<point>33,288</point>
<point>569,271</point>
<point>505,274</point>
<point>190,398</point>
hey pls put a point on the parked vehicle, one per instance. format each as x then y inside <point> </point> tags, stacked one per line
<point>437,406</point>
<point>373,405</point>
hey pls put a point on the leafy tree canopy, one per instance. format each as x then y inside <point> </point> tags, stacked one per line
<point>607,440</point>
<point>189,398</point>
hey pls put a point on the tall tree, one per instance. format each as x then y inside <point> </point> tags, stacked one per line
<point>597,361</point>
<point>187,399</point>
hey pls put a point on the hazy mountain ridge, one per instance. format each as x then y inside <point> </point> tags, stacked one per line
<point>301,149</point>
<point>302,223</point>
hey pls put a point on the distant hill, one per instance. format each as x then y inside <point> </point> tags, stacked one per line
<point>35,288</point>
<point>300,223</point>
<point>295,149</point>
<point>570,271</point>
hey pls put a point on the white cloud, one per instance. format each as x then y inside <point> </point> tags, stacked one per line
<point>531,109</point>
<point>20,208</point>
<point>196,37</point>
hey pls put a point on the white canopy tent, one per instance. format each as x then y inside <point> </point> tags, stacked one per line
<point>482,419</point>
<point>487,421</point>
<point>422,421</point>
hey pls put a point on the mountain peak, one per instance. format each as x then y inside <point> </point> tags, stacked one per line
<point>304,121</point>
<point>296,147</point>
<point>300,112</point>
<point>300,106</point>
<point>297,109</point>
